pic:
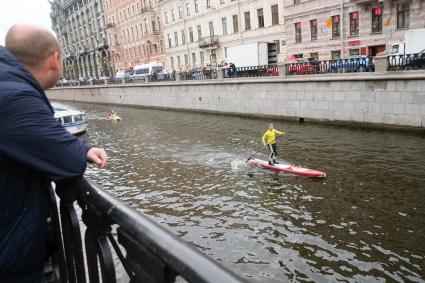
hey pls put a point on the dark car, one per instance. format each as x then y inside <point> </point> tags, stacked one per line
<point>415,61</point>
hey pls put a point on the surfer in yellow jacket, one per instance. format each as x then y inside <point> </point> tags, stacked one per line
<point>269,140</point>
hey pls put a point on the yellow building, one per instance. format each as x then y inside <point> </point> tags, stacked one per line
<point>198,32</point>
<point>134,32</point>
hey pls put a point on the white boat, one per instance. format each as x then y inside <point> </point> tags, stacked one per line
<point>73,121</point>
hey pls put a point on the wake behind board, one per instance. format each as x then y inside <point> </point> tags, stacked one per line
<point>287,168</point>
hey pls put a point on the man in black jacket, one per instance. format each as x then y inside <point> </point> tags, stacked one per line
<point>34,150</point>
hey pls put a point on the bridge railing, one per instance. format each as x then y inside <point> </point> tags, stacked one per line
<point>147,251</point>
<point>406,61</point>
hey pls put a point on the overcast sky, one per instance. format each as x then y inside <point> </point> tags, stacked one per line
<point>23,12</point>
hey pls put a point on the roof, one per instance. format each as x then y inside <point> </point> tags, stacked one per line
<point>61,112</point>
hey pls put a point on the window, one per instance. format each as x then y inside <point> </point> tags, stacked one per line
<point>221,1</point>
<point>173,17</point>
<point>213,56</point>
<point>377,20</point>
<point>260,16</point>
<point>193,59</point>
<point>176,39</point>
<point>196,6</point>
<point>179,63</point>
<point>146,25</point>
<point>183,37</point>
<point>208,4</point>
<point>169,40</point>
<point>201,56</point>
<point>224,25</point>
<point>298,34</point>
<point>235,23</point>
<point>313,29</point>
<point>247,20</point>
<point>335,26</point>
<point>198,28</point>
<point>275,15</point>
<point>159,23</point>
<point>297,2</point>
<point>403,15</point>
<point>211,28</point>
<point>336,55</point>
<point>172,62</point>
<point>185,59</point>
<point>314,55</point>
<point>188,9</point>
<point>180,12</point>
<point>354,23</point>
<point>354,52</point>
<point>190,34</point>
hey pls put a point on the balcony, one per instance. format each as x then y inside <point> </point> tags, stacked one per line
<point>363,2</point>
<point>146,10</point>
<point>209,42</point>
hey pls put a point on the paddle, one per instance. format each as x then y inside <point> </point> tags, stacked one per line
<point>276,139</point>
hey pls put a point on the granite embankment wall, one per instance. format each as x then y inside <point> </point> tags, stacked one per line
<point>390,99</point>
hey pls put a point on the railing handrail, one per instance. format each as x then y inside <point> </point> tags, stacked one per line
<point>182,257</point>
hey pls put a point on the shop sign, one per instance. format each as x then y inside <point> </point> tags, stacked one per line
<point>354,42</point>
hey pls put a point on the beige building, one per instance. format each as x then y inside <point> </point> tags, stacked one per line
<point>134,31</point>
<point>198,32</point>
<point>80,28</point>
<point>332,29</point>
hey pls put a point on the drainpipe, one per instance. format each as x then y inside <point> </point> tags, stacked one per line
<point>342,28</point>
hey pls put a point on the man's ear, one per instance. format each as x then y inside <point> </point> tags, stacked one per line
<point>55,62</point>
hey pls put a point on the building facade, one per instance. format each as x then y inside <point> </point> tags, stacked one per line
<point>339,29</point>
<point>134,32</point>
<point>198,32</point>
<point>80,29</point>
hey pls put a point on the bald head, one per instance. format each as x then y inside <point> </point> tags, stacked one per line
<point>31,44</point>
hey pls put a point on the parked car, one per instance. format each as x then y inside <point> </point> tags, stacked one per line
<point>415,61</point>
<point>82,79</point>
<point>360,63</point>
<point>304,66</point>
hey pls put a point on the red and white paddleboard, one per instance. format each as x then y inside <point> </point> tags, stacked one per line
<point>287,168</point>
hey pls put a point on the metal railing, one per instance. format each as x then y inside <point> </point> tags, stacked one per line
<point>205,74</point>
<point>252,71</point>
<point>147,251</point>
<point>363,64</point>
<point>406,62</point>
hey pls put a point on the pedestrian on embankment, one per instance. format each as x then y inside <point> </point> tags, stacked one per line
<point>34,150</point>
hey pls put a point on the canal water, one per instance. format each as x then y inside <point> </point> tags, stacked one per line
<point>364,223</point>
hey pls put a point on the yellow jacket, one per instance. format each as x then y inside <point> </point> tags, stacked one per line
<point>270,136</point>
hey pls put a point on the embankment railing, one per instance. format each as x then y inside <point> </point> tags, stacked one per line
<point>147,251</point>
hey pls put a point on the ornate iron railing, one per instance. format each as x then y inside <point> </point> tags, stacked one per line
<point>406,62</point>
<point>147,251</point>
<point>201,74</point>
<point>253,71</point>
<point>361,64</point>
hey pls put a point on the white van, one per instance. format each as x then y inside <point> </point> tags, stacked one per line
<point>149,69</point>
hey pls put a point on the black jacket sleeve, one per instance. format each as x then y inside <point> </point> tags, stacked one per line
<point>29,134</point>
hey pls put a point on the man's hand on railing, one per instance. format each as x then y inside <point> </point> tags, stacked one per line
<point>97,156</point>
